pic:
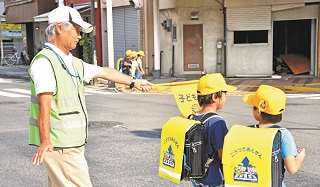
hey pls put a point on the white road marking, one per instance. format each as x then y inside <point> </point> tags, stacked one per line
<point>3,81</point>
<point>291,96</point>
<point>312,97</point>
<point>12,80</point>
<point>7,94</point>
<point>18,90</point>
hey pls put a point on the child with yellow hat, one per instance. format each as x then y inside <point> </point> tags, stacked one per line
<point>268,105</point>
<point>140,71</point>
<point>134,63</point>
<point>212,92</point>
<point>127,64</point>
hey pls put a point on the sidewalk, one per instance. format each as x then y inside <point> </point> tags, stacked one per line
<point>14,72</point>
<point>289,83</point>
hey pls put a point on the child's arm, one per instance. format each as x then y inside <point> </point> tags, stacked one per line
<point>220,153</point>
<point>126,63</point>
<point>293,164</point>
<point>140,69</point>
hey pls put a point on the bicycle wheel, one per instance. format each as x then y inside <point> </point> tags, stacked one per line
<point>10,59</point>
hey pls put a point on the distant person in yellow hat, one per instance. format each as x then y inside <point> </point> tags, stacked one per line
<point>140,72</point>
<point>127,64</point>
<point>124,67</point>
<point>134,63</point>
<point>212,94</point>
<point>268,104</point>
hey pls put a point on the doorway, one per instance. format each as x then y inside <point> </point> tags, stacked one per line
<point>294,47</point>
<point>193,47</point>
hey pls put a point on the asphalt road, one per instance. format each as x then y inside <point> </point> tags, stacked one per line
<point>124,137</point>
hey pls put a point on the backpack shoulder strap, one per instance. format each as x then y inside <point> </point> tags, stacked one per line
<point>257,126</point>
<point>214,155</point>
<point>206,117</point>
<point>282,161</point>
<point>254,126</point>
<point>275,126</point>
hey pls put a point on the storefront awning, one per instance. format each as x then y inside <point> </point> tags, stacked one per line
<point>44,17</point>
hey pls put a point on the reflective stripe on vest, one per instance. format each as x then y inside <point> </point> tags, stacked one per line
<point>62,103</point>
<point>59,125</point>
<point>68,114</point>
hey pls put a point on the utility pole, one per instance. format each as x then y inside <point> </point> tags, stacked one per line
<point>110,34</point>
<point>1,43</point>
<point>93,37</point>
<point>110,39</point>
<point>156,28</point>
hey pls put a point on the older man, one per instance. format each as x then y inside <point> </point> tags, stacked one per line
<point>58,115</point>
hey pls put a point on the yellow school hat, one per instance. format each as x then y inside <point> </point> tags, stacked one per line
<point>134,54</point>
<point>128,52</point>
<point>212,83</point>
<point>141,53</point>
<point>267,99</point>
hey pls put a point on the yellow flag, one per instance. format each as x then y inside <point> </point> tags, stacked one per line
<point>186,99</point>
<point>247,156</point>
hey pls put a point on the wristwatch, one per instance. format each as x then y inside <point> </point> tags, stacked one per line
<point>132,83</point>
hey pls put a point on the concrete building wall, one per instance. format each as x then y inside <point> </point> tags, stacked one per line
<point>117,3</point>
<point>167,4</point>
<point>256,59</point>
<point>304,12</point>
<point>233,3</point>
<point>40,35</point>
<point>210,15</point>
<point>248,59</point>
<point>166,45</point>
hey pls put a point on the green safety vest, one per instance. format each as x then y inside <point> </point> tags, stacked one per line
<point>68,113</point>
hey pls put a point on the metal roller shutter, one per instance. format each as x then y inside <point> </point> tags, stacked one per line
<point>118,33</point>
<point>131,28</point>
<point>249,18</point>
<point>125,30</point>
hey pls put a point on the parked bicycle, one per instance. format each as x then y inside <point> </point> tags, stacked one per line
<point>17,58</point>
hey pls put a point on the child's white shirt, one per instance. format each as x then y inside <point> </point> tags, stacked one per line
<point>133,69</point>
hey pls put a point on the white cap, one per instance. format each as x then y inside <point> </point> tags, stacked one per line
<point>65,13</point>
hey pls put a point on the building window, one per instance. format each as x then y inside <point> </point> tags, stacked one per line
<point>250,37</point>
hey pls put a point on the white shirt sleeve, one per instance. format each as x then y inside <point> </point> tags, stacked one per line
<point>90,71</point>
<point>42,75</point>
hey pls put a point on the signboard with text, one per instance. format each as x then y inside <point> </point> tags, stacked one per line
<point>11,30</point>
<point>186,99</point>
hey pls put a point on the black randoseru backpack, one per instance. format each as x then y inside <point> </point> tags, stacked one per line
<point>195,164</point>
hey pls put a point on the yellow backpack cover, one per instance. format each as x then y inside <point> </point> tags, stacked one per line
<point>247,156</point>
<point>172,147</point>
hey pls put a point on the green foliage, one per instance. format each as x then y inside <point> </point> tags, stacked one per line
<point>86,43</point>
